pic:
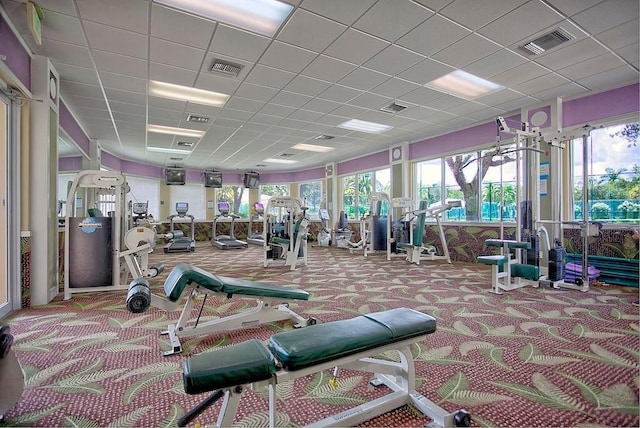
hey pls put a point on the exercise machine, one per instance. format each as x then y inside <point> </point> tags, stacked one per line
<point>226,242</point>
<point>11,375</point>
<point>286,228</point>
<point>342,233</point>
<point>177,241</point>
<point>352,344</point>
<point>324,233</point>
<point>140,241</point>
<point>189,281</point>
<point>256,216</point>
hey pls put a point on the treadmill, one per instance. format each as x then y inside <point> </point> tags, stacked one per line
<point>258,215</point>
<point>226,242</point>
<point>180,243</point>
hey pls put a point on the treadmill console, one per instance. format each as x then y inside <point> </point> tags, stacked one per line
<point>182,208</point>
<point>223,208</point>
<point>323,214</point>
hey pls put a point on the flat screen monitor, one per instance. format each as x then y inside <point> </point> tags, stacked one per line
<point>213,179</point>
<point>251,180</point>
<point>175,176</point>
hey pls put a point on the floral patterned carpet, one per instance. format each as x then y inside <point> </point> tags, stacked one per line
<point>530,357</point>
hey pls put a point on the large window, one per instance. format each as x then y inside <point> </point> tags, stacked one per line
<point>145,190</point>
<point>237,197</point>
<point>193,194</point>
<point>312,193</point>
<point>269,190</point>
<point>613,185</point>
<point>357,188</point>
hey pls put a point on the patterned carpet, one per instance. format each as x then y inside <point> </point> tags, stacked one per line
<point>531,357</point>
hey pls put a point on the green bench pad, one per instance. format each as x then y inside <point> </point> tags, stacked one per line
<point>281,241</point>
<point>404,245</point>
<point>492,260</point>
<point>318,343</point>
<point>510,243</point>
<point>184,274</point>
<point>239,364</point>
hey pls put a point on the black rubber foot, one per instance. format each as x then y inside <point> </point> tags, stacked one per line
<point>462,418</point>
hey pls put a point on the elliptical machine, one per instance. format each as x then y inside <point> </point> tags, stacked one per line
<point>178,242</point>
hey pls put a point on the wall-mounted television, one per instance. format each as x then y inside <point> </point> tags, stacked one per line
<point>251,180</point>
<point>213,179</point>
<point>175,176</point>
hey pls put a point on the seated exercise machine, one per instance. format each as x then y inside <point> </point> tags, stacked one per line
<point>191,281</point>
<point>342,233</point>
<point>178,242</point>
<point>226,242</point>
<point>507,273</point>
<point>286,241</point>
<point>416,250</point>
<point>257,216</point>
<point>324,233</point>
<point>351,344</point>
<point>140,242</point>
<point>11,375</point>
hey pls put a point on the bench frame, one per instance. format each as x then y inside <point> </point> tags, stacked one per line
<point>399,376</point>
<point>265,311</point>
<point>504,280</point>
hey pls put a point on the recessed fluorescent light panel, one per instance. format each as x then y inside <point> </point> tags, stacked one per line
<point>167,150</point>
<point>362,126</point>
<point>185,93</point>
<point>169,130</point>
<point>274,160</point>
<point>312,148</point>
<point>260,16</point>
<point>463,85</point>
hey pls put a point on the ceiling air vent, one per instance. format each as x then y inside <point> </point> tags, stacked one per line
<point>393,108</point>
<point>175,159</point>
<point>225,67</point>
<point>324,137</point>
<point>548,41</point>
<point>185,143</point>
<point>286,155</point>
<point>197,119</point>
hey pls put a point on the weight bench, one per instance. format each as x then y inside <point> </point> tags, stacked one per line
<point>504,268</point>
<point>351,344</point>
<point>189,280</point>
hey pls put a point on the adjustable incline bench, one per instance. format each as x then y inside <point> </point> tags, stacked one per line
<point>186,279</point>
<point>350,344</point>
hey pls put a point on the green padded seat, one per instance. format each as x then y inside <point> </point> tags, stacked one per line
<point>239,364</point>
<point>281,241</point>
<point>492,260</point>
<point>510,243</point>
<point>184,274</point>
<point>418,231</point>
<point>318,343</point>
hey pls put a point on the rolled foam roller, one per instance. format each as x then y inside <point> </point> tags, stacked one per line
<point>139,296</point>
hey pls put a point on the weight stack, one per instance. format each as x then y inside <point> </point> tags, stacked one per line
<point>557,258</point>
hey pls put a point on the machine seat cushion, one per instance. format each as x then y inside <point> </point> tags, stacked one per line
<point>510,243</point>
<point>281,241</point>
<point>184,274</point>
<point>318,343</point>
<point>492,260</point>
<point>404,245</point>
<point>239,364</point>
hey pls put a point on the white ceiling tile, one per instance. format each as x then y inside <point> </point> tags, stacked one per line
<point>167,103</point>
<point>111,39</point>
<point>238,43</point>
<point>65,53</point>
<point>126,97</point>
<point>571,7</point>
<point>340,94</point>
<point>257,127</point>
<point>79,102</point>
<point>428,38</point>
<point>370,101</point>
<point>346,12</point>
<point>498,98</point>
<point>114,63</point>
<point>110,13</point>
<point>61,6</point>
<point>306,115</point>
<point>62,28</point>
<point>229,113</point>
<point>477,14</point>
<point>620,75</point>
<point>447,102</point>
<point>565,90</point>
<point>425,71</point>
<point>321,106</point>
<point>276,110</point>
<point>571,53</point>
<point>287,57</point>
<point>134,109</point>
<point>541,83</point>
<point>591,66</point>
<point>310,31</point>
<point>519,24</point>
<point>80,89</point>
<point>607,15</point>
<point>363,79</point>
<point>170,74</point>
<point>347,111</point>
<point>519,74</point>
<point>621,35</point>
<point>466,51</point>
<point>290,99</point>
<point>244,104</point>
<point>256,92</point>
<point>87,113</point>
<point>121,82</point>
<point>76,74</point>
<point>292,123</point>
<point>355,46</point>
<point>333,120</point>
<point>155,112</point>
<point>393,60</point>
<point>307,86</point>
<point>327,68</point>
<point>630,53</point>
<point>466,108</point>
<point>212,82</point>
<point>169,24</point>
<point>495,63</point>
<point>201,109</point>
<point>271,77</point>
<point>169,53</point>
<point>420,96</point>
<point>391,20</point>
<point>395,87</point>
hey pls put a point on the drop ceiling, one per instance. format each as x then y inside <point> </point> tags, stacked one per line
<point>331,61</point>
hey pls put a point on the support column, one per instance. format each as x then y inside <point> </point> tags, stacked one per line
<point>331,189</point>
<point>399,161</point>
<point>43,177</point>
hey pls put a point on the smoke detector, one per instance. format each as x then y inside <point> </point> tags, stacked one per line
<point>547,41</point>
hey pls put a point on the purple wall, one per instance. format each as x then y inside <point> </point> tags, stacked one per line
<point>481,134</point>
<point>110,161</point>
<point>71,127</point>
<point>18,60</point>
<point>131,167</point>
<point>601,106</point>
<point>309,175</point>
<point>375,160</point>
<point>70,164</point>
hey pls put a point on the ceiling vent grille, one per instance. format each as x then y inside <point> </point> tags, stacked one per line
<point>185,143</point>
<point>393,108</point>
<point>548,41</point>
<point>286,155</point>
<point>225,67</point>
<point>175,159</point>
<point>324,137</point>
<point>197,119</point>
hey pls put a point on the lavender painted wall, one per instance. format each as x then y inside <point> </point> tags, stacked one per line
<point>309,175</point>
<point>375,160</point>
<point>18,60</point>
<point>70,164</point>
<point>71,127</point>
<point>136,168</point>
<point>600,106</point>
<point>477,135</point>
<point>110,161</point>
